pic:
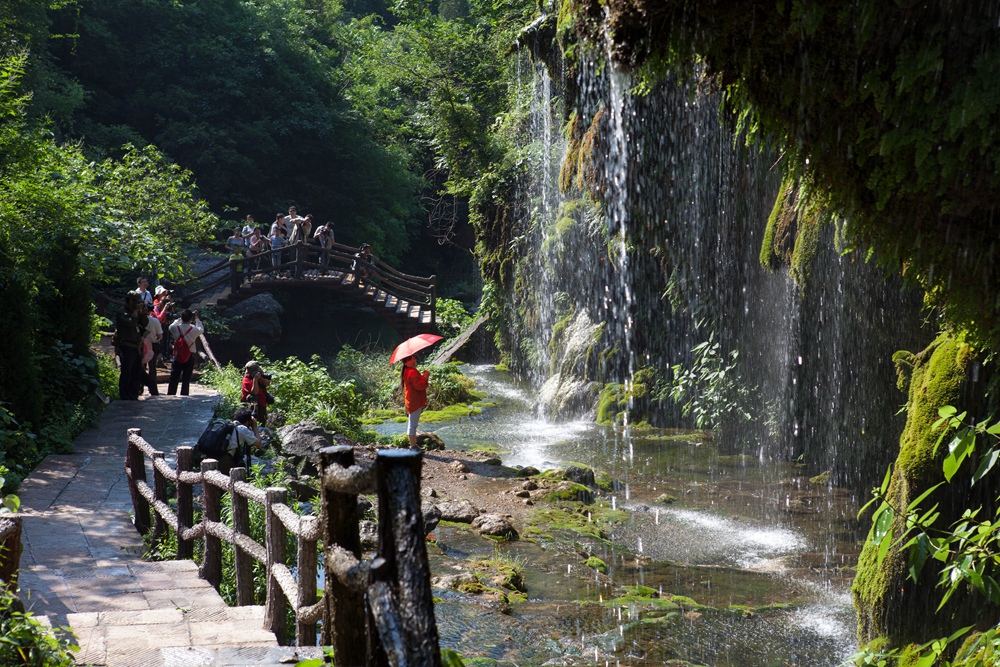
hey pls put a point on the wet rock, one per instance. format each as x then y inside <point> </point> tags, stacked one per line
<point>528,501</point>
<point>523,494</point>
<point>256,321</point>
<point>429,492</point>
<point>458,467</point>
<point>432,516</point>
<point>453,581</point>
<point>301,444</point>
<point>579,475</point>
<point>529,485</point>
<point>429,441</point>
<point>492,461</point>
<point>368,531</point>
<point>570,491</point>
<point>528,471</point>
<point>666,499</point>
<point>459,511</point>
<point>495,526</point>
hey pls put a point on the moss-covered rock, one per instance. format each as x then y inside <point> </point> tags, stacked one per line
<point>889,605</point>
<point>596,563</point>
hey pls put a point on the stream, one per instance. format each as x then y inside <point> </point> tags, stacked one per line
<point>762,557</point>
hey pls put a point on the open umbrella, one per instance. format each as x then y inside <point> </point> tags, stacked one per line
<point>412,346</point>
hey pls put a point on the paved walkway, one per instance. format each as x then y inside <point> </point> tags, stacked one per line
<point>81,562</point>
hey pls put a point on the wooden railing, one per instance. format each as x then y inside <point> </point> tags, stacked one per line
<point>301,258</point>
<point>375,612</point>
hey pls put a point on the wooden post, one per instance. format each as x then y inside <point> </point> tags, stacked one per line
<point>211,563</point>
<point>135,462</point>
<point>401,544</point>
<point>274,610</point>
<point>185,504</point>
<point>241,524</point>
<point>300,258</point>
<point>344,617</point>
<point>433,300</point>
<point>160,527</point>
<point>305,633</point>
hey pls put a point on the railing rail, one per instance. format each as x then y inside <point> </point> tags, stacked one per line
<point>301,257</point>
<point>375,612</point>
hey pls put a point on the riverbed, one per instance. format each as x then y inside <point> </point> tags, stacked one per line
<point>750,564</point>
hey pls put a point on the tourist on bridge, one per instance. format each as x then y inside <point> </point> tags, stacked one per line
<point>277,240</point>
<point>236,243</point>
<point>257,246</point>
<point>301,230</point>
<point>184,331</point>
<point>290,220</point>
<point>130,325</point>
<point>236,260</point>
<point>248,228</point>
<point>253,390</point>
<point>324,237</point>
<point>364,263</point>
<point>414,394</point>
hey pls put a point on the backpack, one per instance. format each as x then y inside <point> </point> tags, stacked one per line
<point>182,352</point>
<point>214,442</point>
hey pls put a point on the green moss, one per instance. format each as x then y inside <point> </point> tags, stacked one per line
<point>771,255</point>
<point>883,596</point>
<point>472,588</point>
<point>666,499</point>
<point>596,563</point>
<point>807,243</point>
<point>822,479</point>
<point>457,411</point>
<point>568,169</point>
<point>572,493</point>
<point>605,482</point>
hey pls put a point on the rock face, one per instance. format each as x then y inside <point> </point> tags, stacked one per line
<point>301,444</point>
<point>256,321</point>
<point>432,516</point>
<point>580,475</point>
<point>459,511</point>
<point>496,526</point>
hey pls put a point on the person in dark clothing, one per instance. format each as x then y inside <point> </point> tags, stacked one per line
<point>130,325</point>
<point>364,263</point>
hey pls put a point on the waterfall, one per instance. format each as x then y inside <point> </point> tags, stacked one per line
<point>644,220</point>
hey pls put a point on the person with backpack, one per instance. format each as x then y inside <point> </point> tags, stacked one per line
<point>229,443</point>
<point>185,333</point>
<point>130,325</point>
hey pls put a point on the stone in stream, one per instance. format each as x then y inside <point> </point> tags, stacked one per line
<point>495,525</point>
<point>580,475</point>
<point>432,516</point>
<point>300,443</point>
<point>459,511</point>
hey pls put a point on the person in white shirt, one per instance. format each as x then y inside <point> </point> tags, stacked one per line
<point>142,287</point>
<point>248,228</point>
<point>151,352</point>
<point>188,328</point>
<point>244,436</point>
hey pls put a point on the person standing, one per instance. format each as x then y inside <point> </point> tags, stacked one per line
<point>142,287</point>
<point>153,335</point>
<point>414,394</point>
<point>253,390</point>
<point>184,331</point>
<point>324,236</point>
<point>129,327</point>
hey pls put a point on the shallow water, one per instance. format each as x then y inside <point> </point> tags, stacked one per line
<point>744,533</point>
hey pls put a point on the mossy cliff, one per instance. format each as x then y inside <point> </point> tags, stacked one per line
<point>892,609</point>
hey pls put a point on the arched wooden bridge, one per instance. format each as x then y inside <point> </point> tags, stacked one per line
<point>406,302</point>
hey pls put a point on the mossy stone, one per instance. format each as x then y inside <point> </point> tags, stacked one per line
<point>596,563</point>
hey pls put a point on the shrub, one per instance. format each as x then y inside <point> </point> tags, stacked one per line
<point>25,641</point>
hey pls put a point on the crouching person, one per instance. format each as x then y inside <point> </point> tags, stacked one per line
<point>245,436</point>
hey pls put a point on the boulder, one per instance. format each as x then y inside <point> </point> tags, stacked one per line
<point>458,467</point>
<point>301,443</point>
<point>453,580</point>
<point>429,441</point>
<point>459,511</point>
<point>432,516</point>
<point>528,471</point>
<point>495,525</point>
<point>256,321</point>
<point>580,475</point>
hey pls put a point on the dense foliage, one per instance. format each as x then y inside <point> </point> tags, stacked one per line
<point>25,641</point>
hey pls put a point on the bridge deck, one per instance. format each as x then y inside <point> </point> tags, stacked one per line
<point>81,565</point>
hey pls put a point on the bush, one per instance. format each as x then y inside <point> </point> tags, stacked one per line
<point>375,380</point>
<point>449,386</point>
<point>25,641</point>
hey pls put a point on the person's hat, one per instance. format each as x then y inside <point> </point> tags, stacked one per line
<point>160,289</point>
<point>251,365</point>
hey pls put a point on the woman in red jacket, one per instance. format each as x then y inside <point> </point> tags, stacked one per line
<point>415,394</point>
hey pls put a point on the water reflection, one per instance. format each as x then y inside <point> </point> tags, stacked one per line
<point>763,554</point>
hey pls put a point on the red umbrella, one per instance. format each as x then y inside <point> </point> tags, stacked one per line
<point>412,346</point>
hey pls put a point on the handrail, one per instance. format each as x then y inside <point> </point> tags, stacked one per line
<point>299,591</point>
<point>373,611</point>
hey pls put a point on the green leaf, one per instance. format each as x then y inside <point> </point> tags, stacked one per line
<point>916,503</point>
<point>451,658</point>
<point>883,546</point>
<point>13,503</point>
<point>986,464</point>
<point>920,551</point>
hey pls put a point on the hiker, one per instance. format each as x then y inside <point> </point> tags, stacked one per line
<point>279,223</point>
<point>244,436</point>
<point>256,247</point>
<point>235,243</point>
<point>248,228</point>
<point>185,332</point>
<point>324,237</point>
<point>414,394</point>
<point>236,260</point>
<point>364,263</point>
<point>253,390</point>
<point>142,287</point>
<point>163,310</point>
<point>129,327</point>
<point>301,230</point>
<point>152,336</point>
<point>277,240</point>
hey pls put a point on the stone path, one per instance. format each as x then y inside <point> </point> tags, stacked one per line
<point>81,563</point>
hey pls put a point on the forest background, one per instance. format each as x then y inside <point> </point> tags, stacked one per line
<point>133,132</point>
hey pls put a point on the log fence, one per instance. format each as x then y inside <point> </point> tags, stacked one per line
<point>377,612</point>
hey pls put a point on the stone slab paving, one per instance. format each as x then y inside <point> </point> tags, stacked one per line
<point>81,564</point>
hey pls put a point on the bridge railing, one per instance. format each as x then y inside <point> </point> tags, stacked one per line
<point>374,612</point>
<point>301,258</point>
